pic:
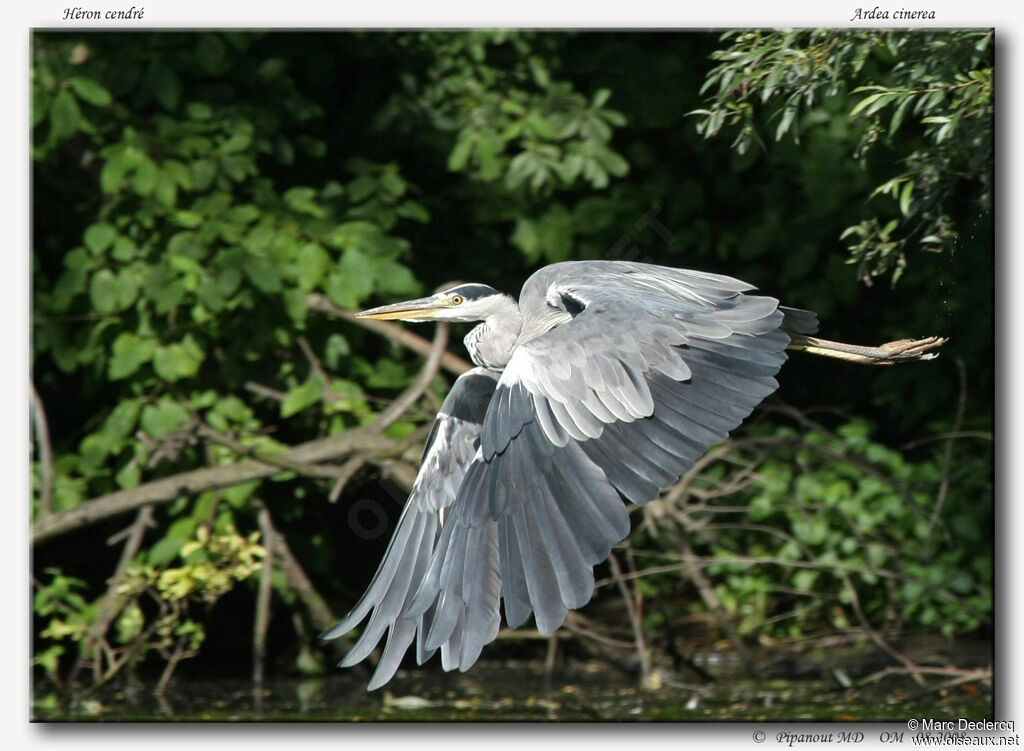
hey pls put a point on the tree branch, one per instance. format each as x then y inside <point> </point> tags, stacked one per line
<point>635,622</point>
<point>45,454</point>
<point>363,439</point>
<point>108,608</point>
<point>262,620</point>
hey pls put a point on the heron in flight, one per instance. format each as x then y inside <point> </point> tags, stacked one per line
<point>606,382</point>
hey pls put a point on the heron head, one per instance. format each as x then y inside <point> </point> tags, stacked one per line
<point>463,302</point>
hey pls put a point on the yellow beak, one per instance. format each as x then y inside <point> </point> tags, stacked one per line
<point>422,309</point>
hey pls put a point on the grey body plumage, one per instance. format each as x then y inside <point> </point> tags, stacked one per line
<point>607,381</point>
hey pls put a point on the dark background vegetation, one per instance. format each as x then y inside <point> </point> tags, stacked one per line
<point>201,200</point>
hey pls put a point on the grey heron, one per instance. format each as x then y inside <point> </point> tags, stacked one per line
<point>606,382</point>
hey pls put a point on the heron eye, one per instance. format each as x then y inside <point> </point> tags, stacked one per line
<point>456,299</point>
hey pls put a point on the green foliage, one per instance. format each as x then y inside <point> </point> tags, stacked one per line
<point>926,96</point>
<point>849,528</point>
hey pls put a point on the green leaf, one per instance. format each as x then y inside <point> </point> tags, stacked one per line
<point>166,189</point>
<point>99,237</point>
<point>865,102</point>
<point>336,348</point>
<point>177,361</point>
<point>463,148</point>
<point>312,262</point>
<point>112,293</point>
<point>905,196</point>
<point>165,86</point>
<point>540,126</point>
<point>103,291</point>
<point>164,417</point>
<point>487,147</point>
<point>787,120</point>
<point>64,116</point>
<point>304,200</point>
<point>394,279</point>
<point>144,179</point>
<point>120,160</point>
<point>120,423</point>
<point>295,304</point>
<point>540,72</point>
<point>302,396</point>
<point>124,249</point>
<point>129,476</point>
<point>212,55</point>
<point>90,91</point>
<point>128,353</point>
<point>203,171</point>
<point>238,141</point>
<point>358,272</point>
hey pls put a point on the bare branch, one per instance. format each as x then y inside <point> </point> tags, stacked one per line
<point>364,439</point>
<point>317,369</point>
<point>108,607</point>
<point>275,460</point>
<point>634,619</point>
<point>408,397</point>
<point>710,597</point>
<point>261,390</point>
<point>345,475</point>
<point>209,478</point>
<point>262,620</point>
<point>45,454</point>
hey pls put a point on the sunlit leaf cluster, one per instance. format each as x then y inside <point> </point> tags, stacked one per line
<point>927,97</point>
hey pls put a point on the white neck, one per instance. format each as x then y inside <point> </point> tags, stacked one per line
<point>491,343</point>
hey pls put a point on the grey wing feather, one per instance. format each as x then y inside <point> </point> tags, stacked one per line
<point>449,450</point>
<point>797,321</point>
<point>623,376</point>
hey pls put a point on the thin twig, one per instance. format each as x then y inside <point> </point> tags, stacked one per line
<point>961,674</point>
<point>408,397</point>
<point>345,474</point>
<point>262,620</point>
<point>984,675</point>
<point>982,434</point>
<point>634,619</point>
<point>710,598</point>
<point>328,395</point>
<point>180,653</point>
<point>319,612</point>
<point>261,390</point>
<point>107,609</point>
<point>42,431</point>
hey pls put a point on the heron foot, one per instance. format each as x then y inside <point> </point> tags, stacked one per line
<point>912,349</point>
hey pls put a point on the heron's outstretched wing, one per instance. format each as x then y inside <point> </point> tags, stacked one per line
<point>450,448</point>
<point>624,375</point>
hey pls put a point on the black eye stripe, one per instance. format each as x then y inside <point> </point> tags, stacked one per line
<point>471,291</point>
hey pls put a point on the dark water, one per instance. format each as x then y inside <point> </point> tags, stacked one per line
<point>518,692</point>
